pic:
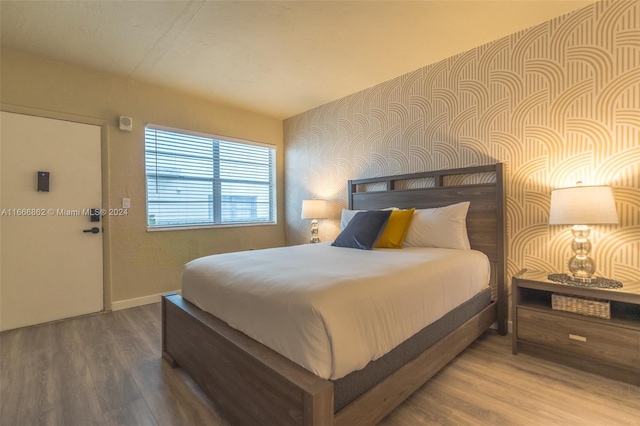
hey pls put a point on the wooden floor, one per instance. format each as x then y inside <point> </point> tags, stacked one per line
<point>106,369</point>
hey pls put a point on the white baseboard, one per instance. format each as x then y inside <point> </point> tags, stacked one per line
<point>138,301</point>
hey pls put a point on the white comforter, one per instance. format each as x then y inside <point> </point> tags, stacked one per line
<point>333,310</point>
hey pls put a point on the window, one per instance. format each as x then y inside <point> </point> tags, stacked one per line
<point>202,180</point>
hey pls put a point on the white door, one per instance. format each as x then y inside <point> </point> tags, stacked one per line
<point>49,268</point>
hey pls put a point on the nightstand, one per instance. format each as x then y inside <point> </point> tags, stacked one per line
<point>609,347</point>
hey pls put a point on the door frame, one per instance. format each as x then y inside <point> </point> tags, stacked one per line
<point>104,169</point>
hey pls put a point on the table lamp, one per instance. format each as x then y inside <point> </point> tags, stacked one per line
<point>314,209</point>
<point>581,206</point>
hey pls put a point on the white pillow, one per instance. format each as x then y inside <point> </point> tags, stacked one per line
<point>443,227</point>
<point>347,215</point>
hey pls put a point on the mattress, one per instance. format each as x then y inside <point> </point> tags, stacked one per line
<point>333,310</point>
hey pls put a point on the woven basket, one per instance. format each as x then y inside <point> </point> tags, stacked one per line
<point>581,305</point>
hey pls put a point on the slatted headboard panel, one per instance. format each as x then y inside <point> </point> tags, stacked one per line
<point>483,186</point>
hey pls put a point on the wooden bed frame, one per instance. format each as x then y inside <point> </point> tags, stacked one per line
<point>253,385</point>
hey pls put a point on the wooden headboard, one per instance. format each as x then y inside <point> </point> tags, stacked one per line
<point>483,186</point>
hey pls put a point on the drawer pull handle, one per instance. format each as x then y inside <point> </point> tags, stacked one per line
<point>577,337</point>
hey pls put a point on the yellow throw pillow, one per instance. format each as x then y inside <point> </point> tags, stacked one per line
<point>396,230</point>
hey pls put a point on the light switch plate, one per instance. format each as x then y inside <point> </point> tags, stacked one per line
<point>126,203</point>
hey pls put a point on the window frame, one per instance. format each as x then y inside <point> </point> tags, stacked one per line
<point>273,204</point>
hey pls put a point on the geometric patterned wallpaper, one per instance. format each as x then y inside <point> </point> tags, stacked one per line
<point>557,103</point>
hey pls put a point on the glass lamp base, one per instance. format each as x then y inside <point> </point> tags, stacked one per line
<point>314,232</point>
<point>581,280</point>
<point>582,267</point>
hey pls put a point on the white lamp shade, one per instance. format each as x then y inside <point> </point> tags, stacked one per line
<point>314,209</point>
<point>583,205</point>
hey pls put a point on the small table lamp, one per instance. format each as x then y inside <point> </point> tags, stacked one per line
<point>581,206</point>
<point>314,209</point>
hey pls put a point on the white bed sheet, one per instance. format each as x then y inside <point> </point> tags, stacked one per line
<point>333,310</point>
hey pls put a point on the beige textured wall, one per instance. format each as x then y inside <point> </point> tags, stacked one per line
<point>141,263</point>
<point>558,103</point>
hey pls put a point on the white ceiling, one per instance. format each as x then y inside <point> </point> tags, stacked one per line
<point>279,58</point>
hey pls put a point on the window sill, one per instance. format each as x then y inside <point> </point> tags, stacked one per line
<point>209,226</point>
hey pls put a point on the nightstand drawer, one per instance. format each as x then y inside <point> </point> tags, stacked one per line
<point>612,344</point>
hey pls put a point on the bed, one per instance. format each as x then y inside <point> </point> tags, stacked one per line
<point>253,384</point>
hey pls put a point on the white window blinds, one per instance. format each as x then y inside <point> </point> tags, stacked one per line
<point>196,179</point>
